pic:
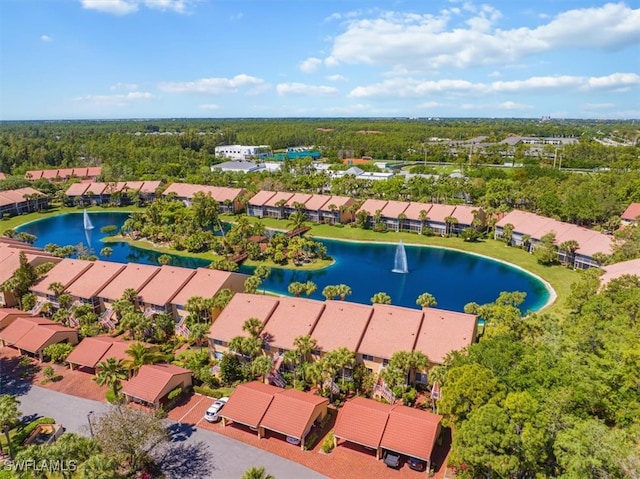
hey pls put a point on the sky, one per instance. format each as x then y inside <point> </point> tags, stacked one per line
<point>107,59</point>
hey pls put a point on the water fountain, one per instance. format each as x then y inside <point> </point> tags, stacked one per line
<point>400,261</point>
<point>87,221</point>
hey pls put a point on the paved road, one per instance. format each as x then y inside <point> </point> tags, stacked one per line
<point>193,453</point>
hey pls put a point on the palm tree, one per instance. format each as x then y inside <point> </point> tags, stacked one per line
<point>422,216</point>
<point>256,473</point>
<point>253,326</point>
<point>262,366</point>
<point>130,295</point>
<point>381,298</point>
<point>198,333</point>
<point>57,288</point>
<point>106,251</point>
<point>262,271</point>
<point>195,306</point>
<point>343,291</point>
<point>99,466</point>
<point>220,301</point>
<point>304,345</point>
<point>141,355</point>
<point>310,287</point>
<point>297,220</point>
<point>426,300</point>
<point>330,292</point>
<point>9,416</point>
<point>251,284</point>
<point>296,288</point>
<point>110,373</point>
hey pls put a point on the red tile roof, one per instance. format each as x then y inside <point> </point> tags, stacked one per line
<point>241,307</point>
<point>134,276</point>
<point>10,260</point>
<point>298,198</point>
<point>151,381</point>
<point>94,171</point>
<point>362,421</point>
<point>616,270</point>
<point>317,202</point>
<point>32,333</point>
<point>445,331</point>
<point>80,172</point>
<point>337,201</point>
<point>341,324</point>
<point>97,188</point>
<point>279,196</point>
<point>464,214</point>
<point>94,279</point>
<point>290,411</point>
<point>150,186</point>
<point>205,283</point>
<point>249,402</point>
<point>414,209</point>
<point>161,289</point>
<point>394,208</point>
<point>77,189</point>
<point>261,197</point>
<point>65,272</point>
<point>90,351</point>
<point>371,206</point>
<point>439,212</point>
<point>391,329</point>
<point>7,315</point>
<point>293,317</point>
<point>632,212</point>
<point>411,431</point>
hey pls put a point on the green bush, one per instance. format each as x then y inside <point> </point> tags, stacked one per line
<point>57,353</point>
<point>108,229</point>
<point>310,441</point>
<point>409,397</point>
<point>175,393</point>
<point>327,444</point>
<point>213,393</point>
<point>23,434</point>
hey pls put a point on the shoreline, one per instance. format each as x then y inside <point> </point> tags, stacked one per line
<point>553,296</point>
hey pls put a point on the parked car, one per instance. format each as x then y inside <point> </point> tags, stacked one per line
<point>392,459</point>
<point>213,413</point>
<point>293,440</point>
<point>416,464</point>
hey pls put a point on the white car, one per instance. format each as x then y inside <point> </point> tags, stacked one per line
<point>213,413</point>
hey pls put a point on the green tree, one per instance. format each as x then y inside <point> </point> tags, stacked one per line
<point>262,366</point>
<point>9,416</point>
<point>381,298</point>
<point>426,300</point>
<point>140,355</point>
<point>111,373</point>
<point>256,473</point>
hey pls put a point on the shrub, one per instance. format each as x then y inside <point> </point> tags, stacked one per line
<point>108,229</point>
<point>50,375</point>
<point>28,301</point>
<point>310,441</point>
<point>23,433</point>
<point>57,353</point>
<point>213,393</point>
<point>175,393</point>
<point>409,397</point>
<point>327,444</point>
<point>113,398</point>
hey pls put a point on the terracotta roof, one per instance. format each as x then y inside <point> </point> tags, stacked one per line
<point>77,189</point>
<point>205,283</point>
<point>391,329</point>
<point>362,421</point>
<point>33,174</point>
<point>32,333</point>
<point>80,172</point>
<point>464,214</point>
<point>371,206</point>
<point>439,212</point>
<point>518,218</point>
<point>65,272</point>
<point>94,279</point>
<point>298,198</point>
<point>10,260</point>
<point>17,195</point>
<point>290,411</point>
<point>616,270</point>
<point>338,201</point>
<point>49,174</point>
<point>292,317</point>
<point>279,196</point>
<point>590,241</point>
<point>249,402</point>
<point>222,193</point>
<point>445,331</point>
<point>134,276</point>
<point>632,212</point>
<point>241,307</point>
<point>181,190</point>
<point>96,188</point>
<point>94,171</point>
<point>394,208</point>
<point>317,202</point>
<point>133,185</point>
<point>414,209</point>
<point>89,351</point>
<point>65,173</point>
<point>261,197</point>
<point>151,380</point>
<point>8,315</point>
<point>161,289</point>
<point>411,431</point>
<point>150,186</point>
<point>341,324</point>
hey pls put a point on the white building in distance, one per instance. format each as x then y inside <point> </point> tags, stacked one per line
<point>243,152</point>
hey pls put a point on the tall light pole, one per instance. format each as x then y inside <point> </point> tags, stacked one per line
<point>90,425</point>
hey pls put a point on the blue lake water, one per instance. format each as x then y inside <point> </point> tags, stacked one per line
<point>453,277</point>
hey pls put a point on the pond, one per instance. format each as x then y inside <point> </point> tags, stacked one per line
<point>454,278</point>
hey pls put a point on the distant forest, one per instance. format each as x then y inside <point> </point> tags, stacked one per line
<point>183,150</point>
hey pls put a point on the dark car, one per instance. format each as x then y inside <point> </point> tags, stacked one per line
<point>416,464</point>
<point>392,459</point>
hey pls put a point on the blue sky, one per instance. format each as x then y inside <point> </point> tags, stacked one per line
<point>75,59</point>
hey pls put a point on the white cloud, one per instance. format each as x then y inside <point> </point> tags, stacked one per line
<point>310,65</point>
<point>124,7</point>
<point>215,86</point>
<point>302,89</point>
<point>598,106</point>
<point>412,88</point>
<point>46,38</point>
<point>123,86</point>
<point>335,78</point>
<point>511,105</point>
<point>430,104</point>
<point>430,42</point>
<point>118,100</point>
<point>209,106</point>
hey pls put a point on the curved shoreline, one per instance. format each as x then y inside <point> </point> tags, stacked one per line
<point>553,296</point>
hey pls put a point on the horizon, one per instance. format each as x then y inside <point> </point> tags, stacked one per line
<point>83,60</point>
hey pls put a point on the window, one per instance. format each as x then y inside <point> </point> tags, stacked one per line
<point>385,362</point>
<point>218,342</point>
<point>422,378</point>
<point>266,347</point>
<point>367,357</point>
